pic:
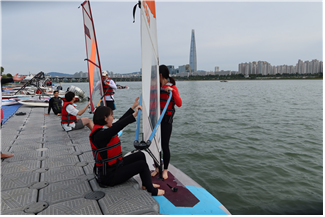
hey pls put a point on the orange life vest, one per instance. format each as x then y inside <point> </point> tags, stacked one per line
<point>66,118</point>
<point>107,89</point>
<point>38,91</point>
<point>108,155</point>
<point>163,100</point>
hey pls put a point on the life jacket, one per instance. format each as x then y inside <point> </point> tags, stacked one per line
<point>109,155</point>
<point>38,91</point>
<point>107,89</point>
<point>66,118</point>
<point>57,104</point>
<point>164,95</point>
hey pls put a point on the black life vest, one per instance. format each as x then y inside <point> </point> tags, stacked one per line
<point>57,104</point>
<point>109,155</point>
<point>66,118</point>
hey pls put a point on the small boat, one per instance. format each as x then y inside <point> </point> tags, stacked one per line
<point>121,87</point>
<point>223,81</point>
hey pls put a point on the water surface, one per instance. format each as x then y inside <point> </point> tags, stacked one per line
<point>257,146</point>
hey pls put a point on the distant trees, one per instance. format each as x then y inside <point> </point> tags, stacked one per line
<point>5,75</point>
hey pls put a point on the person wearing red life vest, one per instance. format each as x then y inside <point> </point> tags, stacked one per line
<point>110,167</point>
<point>69,120</point>
<point>108,87</point>
<point>168,84</point>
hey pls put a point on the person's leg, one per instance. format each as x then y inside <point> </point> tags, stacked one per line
<point>4,156</point>
<point>87,122</point>
<point>166,131</point>
<point>136,164</point>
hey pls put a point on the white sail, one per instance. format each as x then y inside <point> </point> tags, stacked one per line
<point>94,67</point>
<point>150,75</point>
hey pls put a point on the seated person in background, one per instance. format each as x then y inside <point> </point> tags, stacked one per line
<point>69,121</point>
<point>55,104</point>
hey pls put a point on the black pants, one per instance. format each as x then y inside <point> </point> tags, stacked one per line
<point>166,131</point>
<point>131,165</point>
<point>110,104</point>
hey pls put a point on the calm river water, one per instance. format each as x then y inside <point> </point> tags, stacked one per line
<point>257,146</point>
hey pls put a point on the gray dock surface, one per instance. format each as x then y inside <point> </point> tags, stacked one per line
<point>51,172</point>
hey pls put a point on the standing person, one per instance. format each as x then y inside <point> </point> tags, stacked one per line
<point>167,83</point>
<point>55,103</point>
<point>4,81</point>
<point>69,120</point>
<point>111,168</point>
<point>108,87</point>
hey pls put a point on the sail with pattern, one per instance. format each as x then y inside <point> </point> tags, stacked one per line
<point>93,61</point>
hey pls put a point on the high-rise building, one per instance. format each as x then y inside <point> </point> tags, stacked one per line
<point>193,62</point>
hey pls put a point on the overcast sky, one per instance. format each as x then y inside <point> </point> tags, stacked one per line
<point>49,36</point>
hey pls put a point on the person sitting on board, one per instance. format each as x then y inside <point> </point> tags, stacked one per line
<point>167,83</point>
<point>69,121</point>
<point>110,167</point>
<point>4,81</point>
<point>108,87</point>
<point>55,103</point>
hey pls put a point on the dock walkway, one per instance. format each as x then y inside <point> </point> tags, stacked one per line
<point>51,172</point>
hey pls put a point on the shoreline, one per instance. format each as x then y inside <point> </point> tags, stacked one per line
<point>273,79</point>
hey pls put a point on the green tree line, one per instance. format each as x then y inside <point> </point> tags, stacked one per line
<point>5,75</point>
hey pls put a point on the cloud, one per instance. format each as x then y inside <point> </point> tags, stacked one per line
<point>49,36</point>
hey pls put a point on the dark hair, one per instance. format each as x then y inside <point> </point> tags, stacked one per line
<point>69,96</point>
<point>100,114</point>
<point>55,91</point>
<point>164,71</point>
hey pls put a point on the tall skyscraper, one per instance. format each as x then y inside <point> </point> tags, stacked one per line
<point>193,62</point>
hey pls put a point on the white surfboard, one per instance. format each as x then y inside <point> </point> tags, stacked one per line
<point>34,104</point>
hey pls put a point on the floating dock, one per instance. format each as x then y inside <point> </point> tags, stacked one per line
<point>51,172</point>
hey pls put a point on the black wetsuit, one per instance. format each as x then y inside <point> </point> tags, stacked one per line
<point>130,165</point>
<point>6,80</point>
<point>55,104</point>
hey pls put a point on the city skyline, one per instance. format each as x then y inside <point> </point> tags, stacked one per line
<point>254,67</point>
<point>48,36</point>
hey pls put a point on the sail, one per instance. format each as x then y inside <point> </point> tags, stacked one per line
<point>93,61</point>
<point>150,75</point>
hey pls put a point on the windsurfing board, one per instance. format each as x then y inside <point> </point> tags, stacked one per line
<point>9,102</point>
<point>190,198</point>
<point>35,104</point>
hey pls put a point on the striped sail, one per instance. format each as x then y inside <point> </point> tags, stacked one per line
<point>150,75</point>
<point>93,61</point>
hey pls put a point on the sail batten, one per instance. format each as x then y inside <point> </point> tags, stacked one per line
<point>93,60</point>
